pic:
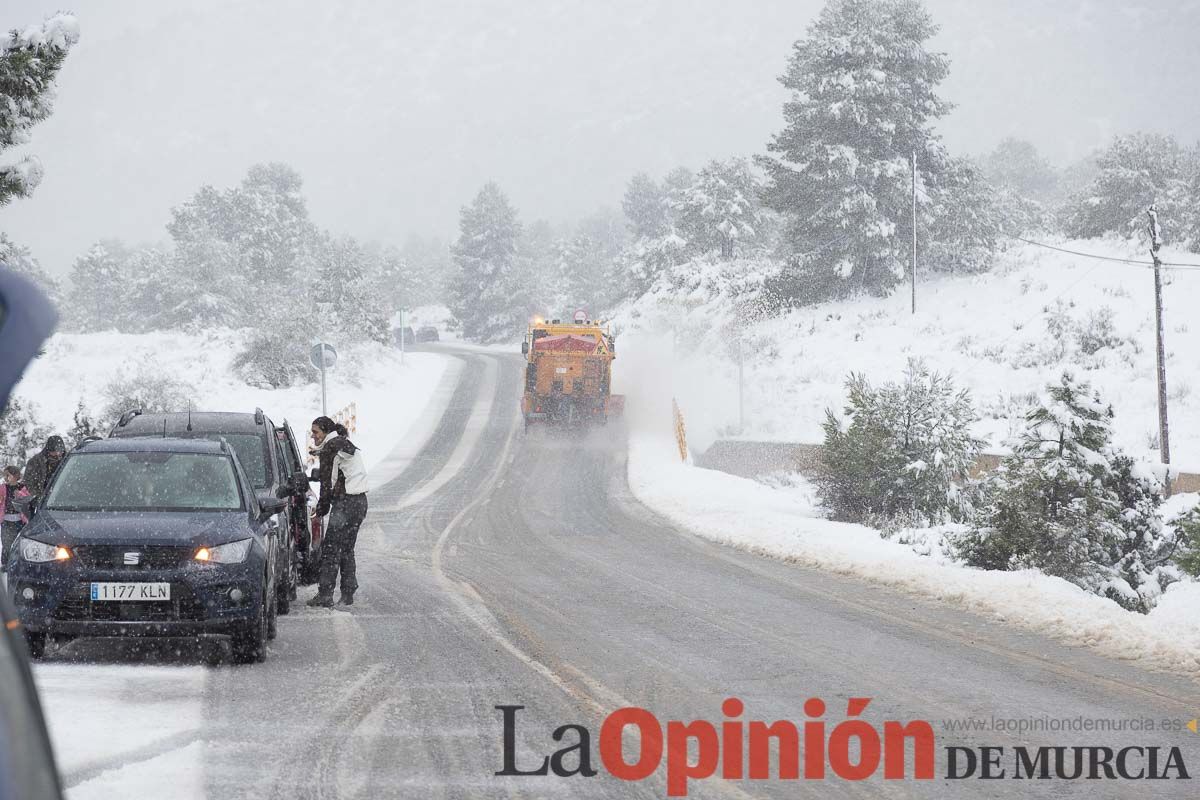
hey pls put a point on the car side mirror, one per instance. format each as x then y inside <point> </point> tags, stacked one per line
<point>269,507</point>
<point>299,484</point>
<point>314,476</point>
<point>26,505</point>
<point>524,348</point>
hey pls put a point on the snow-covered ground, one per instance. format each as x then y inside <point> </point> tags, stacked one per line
<point>388,395</point>
<point>992,332</point>
<point>119,728</point>
<point>996,332</point>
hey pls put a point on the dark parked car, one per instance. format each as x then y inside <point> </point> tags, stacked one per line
<point>404,334</point>
<point>26,319</point>
<point>149,537</point>
<point>427,333</point>
<point>272,461</point>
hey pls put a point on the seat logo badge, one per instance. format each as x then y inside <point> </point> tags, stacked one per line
<point>133,559</point>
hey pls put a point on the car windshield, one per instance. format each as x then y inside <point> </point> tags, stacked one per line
<point>145,481</point>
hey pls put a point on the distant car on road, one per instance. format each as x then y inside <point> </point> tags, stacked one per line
<point>271,458</point>
<point>404,334</point>
<point>427,333</point>
<point>149,537</point>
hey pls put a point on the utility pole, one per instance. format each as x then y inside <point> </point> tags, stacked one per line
<point>402,336</point>
<point>1163,434</point>
<point>914,230</point>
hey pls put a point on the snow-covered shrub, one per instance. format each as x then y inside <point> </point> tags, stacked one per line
<point>1069,503</point>
<point>147,391</point>
<point>21,433</point>
<point>275,359</point>
<point>1098,332</point>
<point>899,449</point>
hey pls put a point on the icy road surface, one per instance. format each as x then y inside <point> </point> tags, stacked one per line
<point>504,568</point>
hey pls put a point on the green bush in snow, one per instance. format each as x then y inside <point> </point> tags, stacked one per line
<point>1070,504</point>
<point>902,449</point>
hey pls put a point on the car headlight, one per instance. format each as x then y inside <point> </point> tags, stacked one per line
<point>232,553</point>
<point>40,552</point>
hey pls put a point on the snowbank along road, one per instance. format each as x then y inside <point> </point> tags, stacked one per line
<point>504,569</point>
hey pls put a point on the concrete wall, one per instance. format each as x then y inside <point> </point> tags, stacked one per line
<point>749,458</point>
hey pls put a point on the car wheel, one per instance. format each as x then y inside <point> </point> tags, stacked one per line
<point>36,643</point>
<point>212,653</point>
<point>250,646</point>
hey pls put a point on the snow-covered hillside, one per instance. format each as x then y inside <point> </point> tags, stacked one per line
<point>1004,334</point>
<point>388,395</point>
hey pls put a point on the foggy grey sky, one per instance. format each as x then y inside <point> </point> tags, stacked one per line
<point>396,112</point>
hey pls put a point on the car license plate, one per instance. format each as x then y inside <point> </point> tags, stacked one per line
<point>131,591</point>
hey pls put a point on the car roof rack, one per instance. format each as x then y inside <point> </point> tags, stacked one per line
<point>128,416</point>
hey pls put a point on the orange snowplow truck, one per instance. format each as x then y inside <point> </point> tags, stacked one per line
<point>568,373</point>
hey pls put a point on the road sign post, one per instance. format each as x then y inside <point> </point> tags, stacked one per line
<point>323,357</point>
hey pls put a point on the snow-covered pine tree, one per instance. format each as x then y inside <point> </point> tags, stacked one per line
<point>864,96</point>
<point>430,266</point>
<point>347,290</point>
<point>82,425</point>
<point>1134,171</point>
<point>966,219</point>
<point>1067,502</point>
<point>720,210</point>
<point>240,250</point>
<point>30,60</point>
<point>902,449</point>
<point>490,293</point>
<point>646,208</point>
<point>96,299</point>
<point>1189,229</point>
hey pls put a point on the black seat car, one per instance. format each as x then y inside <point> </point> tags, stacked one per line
<point>427,333</point>
<point>272,461</point>
<point>149,537</point>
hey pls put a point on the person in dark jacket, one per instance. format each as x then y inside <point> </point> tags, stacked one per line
<point>344,499</point>
<point>43,465</point>
<point>12,519</point>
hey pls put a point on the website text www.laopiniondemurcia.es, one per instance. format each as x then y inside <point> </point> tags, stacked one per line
<point>853,749</point>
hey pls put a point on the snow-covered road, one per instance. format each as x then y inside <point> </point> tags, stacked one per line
<point>526,574</point>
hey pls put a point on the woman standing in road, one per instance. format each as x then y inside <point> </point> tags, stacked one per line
<point>344,499</point>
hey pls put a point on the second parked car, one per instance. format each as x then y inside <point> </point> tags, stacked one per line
<point>272,461</point>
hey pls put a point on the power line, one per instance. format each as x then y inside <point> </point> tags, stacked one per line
<point>1132,261</point>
